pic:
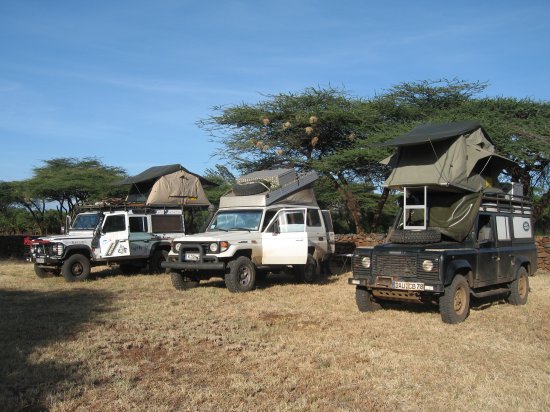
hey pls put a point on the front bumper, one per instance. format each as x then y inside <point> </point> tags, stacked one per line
<point>196,266</point>
<point>45,260</point>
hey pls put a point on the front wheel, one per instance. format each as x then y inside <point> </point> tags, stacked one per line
<point>454,305</point>
<point>76,268</point>
<point>181,282</point>
<point>241,276</point>
<point>519,288</point>
<point>43,273</point>
<point>158,257</point>
<point>364,300</point>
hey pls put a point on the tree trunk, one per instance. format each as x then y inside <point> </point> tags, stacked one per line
<point>341,185</point>
<point>378,212</point>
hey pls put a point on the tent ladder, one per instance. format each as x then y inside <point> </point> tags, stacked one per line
<point>409,210</point>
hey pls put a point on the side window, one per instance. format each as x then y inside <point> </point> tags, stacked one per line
<point>484,229</point>
<point>294,222</point>
<point>313,218</point>
<point>115,223</point>
<point>503,228</point>
<point>267,218</point>
<point>138,224</point>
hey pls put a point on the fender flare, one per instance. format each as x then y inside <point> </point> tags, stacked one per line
<point>522,261</point>
<point>82,249</point>
<point>459,265</point>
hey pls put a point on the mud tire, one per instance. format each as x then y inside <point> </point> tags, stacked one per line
<point>158,257</point>
<point>181,282</point>
<point>306,273</point>
<point>241,276</point>
<point>454,304</point>
<point>365,301</point>
<point>44,273</point>
<point>76,268</point>
<point>519,288</point>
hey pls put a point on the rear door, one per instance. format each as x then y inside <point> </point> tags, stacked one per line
<point>284,241</point>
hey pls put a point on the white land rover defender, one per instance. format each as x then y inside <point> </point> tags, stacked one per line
<point>269,221</point>
<point>133,238</point>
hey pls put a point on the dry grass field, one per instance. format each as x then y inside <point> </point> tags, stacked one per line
<point>135,343</point>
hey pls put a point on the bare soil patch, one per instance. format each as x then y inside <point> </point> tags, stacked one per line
<point>136,343</point>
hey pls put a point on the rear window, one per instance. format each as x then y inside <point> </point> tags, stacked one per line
<point>167,223</point>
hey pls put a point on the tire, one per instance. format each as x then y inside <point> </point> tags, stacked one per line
<point>415,236</point>
<point>454,304</point>
<point>76,268</point>
<point>181,282</point>
<point>306,273</point>
<point>158,257</point>
<point>44,273</point>
<point>519,288</point>
<point>241,276</point>
<point>365,301</point>
<point>248,189</point>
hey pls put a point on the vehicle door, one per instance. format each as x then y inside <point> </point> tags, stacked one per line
<point>487,257</point>
<point>504,247</point>
<point>327,218</point>
<point>139,237</point>
<point>316,233</point>
<point>284,241</point>
<point>114,240</point>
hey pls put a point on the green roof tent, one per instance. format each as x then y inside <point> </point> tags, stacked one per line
<point>170,185</point>
<point>458,155</point>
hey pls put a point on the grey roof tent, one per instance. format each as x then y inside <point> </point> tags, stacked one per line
<point>455,156</point>
<point>169,185</point>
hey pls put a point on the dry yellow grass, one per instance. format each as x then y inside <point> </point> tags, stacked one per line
<point>135,343</point>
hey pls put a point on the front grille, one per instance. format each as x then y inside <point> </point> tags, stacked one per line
<point>405,266</point>
<point>358,269</point>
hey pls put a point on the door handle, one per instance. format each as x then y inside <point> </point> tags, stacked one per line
<point>497,258</point>
<point>321,238</point>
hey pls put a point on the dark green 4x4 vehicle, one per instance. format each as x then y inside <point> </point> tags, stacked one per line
<point>460,232</point>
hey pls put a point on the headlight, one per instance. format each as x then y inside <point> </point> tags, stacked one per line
<point>224,246</point>
<point>213,247</point>
<point>427,265</point>
<point>177,247</point>
<point>57,249</point>
<point>365,262</point>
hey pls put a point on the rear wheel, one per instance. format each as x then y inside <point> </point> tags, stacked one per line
<point>158,257</point>
<point>181,282</point>
<point>365,301</point>
<point>519,288</point>
<point>454,305</point>
<point>241,276</point>
<point>306,273</point>
<point>76,268</point>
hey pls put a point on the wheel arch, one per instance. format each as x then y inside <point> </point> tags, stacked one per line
<point>459,267</point>
<point>82,250</point>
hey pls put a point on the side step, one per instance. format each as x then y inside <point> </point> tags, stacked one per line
<point>492,292</point>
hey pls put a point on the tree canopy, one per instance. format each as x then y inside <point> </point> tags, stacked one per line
<point>335,133</point>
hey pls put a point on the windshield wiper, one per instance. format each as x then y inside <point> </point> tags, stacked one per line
<point>240,228</point>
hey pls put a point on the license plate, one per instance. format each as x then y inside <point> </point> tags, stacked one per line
<point>40,260</point>
<point>408,285</point>
<point>192,257</point>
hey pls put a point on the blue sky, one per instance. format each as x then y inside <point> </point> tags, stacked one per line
<point>126,81</point>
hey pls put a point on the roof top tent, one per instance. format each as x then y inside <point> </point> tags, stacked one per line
<point>170,185</point>
<point>268,187</point>
<point>443,169</point>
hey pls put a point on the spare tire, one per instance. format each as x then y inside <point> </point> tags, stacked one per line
<point>416,236</point>
<point>247,189</point>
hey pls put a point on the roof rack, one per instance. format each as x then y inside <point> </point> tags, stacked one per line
<point>504,202</point>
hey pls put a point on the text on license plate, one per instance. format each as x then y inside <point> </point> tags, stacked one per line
<point>40,260</point>
<point>193,257</point>
<point>408,285</point>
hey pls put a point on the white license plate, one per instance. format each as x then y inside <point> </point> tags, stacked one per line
<point>192,257</point>
<point>40,260</point>
<point>408,285</point>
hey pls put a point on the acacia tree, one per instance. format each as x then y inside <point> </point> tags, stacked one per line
<point>336,134</point>
<point>67,182</point>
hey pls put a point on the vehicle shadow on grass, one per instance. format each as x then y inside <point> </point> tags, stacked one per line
<point>476,304</point>
<point>30,324</point>
<point>272,279</point>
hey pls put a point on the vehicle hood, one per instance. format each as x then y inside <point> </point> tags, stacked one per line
<point>233,236</point>
<point>77,234</point>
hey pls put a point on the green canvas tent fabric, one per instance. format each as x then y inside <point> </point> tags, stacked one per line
<point>458,155</point>
<point>169,185</point>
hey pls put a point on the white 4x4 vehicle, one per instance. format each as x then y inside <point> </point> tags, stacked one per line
<point>279,225</point>
<point>131,238</point>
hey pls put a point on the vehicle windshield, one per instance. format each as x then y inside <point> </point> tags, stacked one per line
<point>236,220</point>
<point>85,222</point>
